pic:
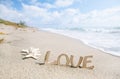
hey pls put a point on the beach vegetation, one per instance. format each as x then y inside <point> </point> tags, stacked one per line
<point>1,40</point>
<point>2,33</point>
<point>21,24</point>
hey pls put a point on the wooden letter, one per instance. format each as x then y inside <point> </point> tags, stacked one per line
<point>85,61</point>
<point>67,59</point>
<point>79,62</point>
<point>47,57</point>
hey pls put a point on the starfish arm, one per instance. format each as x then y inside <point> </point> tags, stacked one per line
<point>32,53</point>
<point>29,55</point>
<point>35,57</point>
<point>25,51</point>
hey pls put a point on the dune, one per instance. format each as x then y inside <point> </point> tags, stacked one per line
<point>12,66</point>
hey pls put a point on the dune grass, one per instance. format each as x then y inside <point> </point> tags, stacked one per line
<point>1,40</point>
<point>21,24</point>
<point>2,33</point>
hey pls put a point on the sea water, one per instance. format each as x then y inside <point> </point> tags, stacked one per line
<point>104,38</point>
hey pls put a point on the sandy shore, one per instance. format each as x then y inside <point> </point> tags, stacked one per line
<point>12,66</point>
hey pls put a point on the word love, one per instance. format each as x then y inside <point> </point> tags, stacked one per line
<point>82,62</point>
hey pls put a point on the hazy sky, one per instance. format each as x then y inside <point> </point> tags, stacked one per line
<point>61,13</point>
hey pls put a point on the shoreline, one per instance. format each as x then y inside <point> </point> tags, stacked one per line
<point>92,46</point>
<point>12,65</point>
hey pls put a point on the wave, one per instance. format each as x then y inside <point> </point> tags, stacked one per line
<point>90,29</point>
<point>104,39</point>
<point>102,30</point>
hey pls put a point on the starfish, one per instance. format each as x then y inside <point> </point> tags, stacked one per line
<point>31,53</point>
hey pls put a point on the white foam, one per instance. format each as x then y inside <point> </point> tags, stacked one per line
<point>97,40</point>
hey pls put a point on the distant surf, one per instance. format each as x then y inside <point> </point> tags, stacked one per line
<point>105,39</point>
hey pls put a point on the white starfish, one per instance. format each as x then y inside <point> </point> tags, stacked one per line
<point>25,51</point>
<point>31,53</point>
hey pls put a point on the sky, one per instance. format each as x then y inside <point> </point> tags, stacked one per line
<point>62,13</point>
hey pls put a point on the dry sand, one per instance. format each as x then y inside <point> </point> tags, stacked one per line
<point>13,67</point>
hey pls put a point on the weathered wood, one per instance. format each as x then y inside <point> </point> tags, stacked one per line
<point>67,59</point>
<point>53,63</point>
<point>86,61</point>
<point>79,62</point>
<point>46,57</point>
<point>82,63</point>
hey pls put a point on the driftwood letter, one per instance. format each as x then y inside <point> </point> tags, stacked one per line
<point>67,59</point>
<point>46,57</point>
<point>79,62</point>
<point>82,60</point>
<point>85,61</point>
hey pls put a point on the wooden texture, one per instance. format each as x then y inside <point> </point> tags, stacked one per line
<point>79,62</point>
<point>67,59</point>
<point>86,61</point>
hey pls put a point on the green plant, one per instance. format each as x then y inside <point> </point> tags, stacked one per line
<point>22,24</point>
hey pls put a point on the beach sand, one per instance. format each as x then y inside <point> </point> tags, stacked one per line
<point>12,66</point>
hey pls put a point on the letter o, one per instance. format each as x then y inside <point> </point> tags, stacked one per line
<point>67,59</point>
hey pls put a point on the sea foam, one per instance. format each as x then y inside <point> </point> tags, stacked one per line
<point>105,39</point>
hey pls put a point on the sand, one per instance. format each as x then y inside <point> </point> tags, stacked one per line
<point>12,66</point>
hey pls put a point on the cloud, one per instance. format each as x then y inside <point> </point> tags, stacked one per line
<point>9,13</point>
<point>8,3</point>
<point>35,15</point>
<point>63,3</point>
<point>107,17</point>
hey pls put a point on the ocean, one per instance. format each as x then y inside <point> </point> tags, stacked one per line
<point>106,39</point>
